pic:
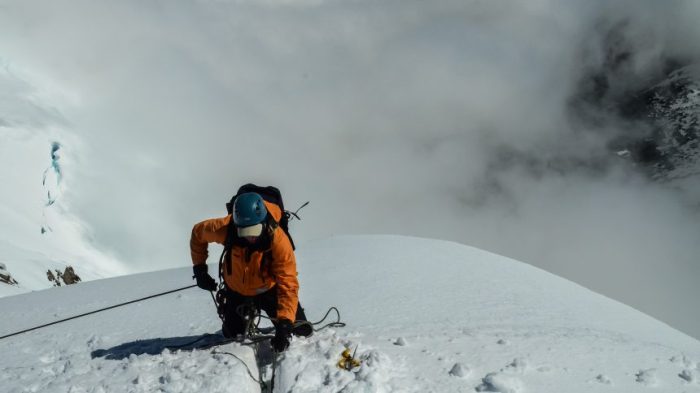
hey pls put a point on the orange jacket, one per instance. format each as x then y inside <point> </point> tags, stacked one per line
<point>247,278</point>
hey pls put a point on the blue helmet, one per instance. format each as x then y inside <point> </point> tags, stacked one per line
<point>249,209</point>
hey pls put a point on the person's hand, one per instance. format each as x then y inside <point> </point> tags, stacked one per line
<point>204,280</point>
<point>283,331</point>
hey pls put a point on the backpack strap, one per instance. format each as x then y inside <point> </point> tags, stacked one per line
<point>266,262</point>
<point>228,244</point>
<point>284,223</point>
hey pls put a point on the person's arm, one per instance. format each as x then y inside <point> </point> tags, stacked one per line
<point>205,232</point>
<point>284,270</point>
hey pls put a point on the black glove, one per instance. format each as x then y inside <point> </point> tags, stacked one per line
<point>283,331</point>
<point>203,278</point>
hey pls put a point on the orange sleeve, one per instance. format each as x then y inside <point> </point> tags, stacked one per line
<point>284,270</point>
<point>205,232</point>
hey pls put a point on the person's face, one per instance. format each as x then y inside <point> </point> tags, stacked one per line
<point>251,239</point>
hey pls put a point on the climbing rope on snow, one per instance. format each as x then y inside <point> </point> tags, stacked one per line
<point>255,334</point>
<point>313,325</point>
<point>337,323</point>
<point>250,373</point>
<point>96,311</point>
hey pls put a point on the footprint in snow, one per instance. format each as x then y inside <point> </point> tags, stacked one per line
<point>682,360</point>
<point>500,382</point>
<point>506,380</point>
<point>544,369</point>
<point>459,370</point>
<point>688,375</point>
<point>49,357</point>
<point>518,365</point>
<point>647,377</point>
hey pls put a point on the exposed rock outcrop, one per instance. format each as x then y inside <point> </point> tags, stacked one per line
<point>654,108</point>
<point>67,277</point>
<point>5,276</point>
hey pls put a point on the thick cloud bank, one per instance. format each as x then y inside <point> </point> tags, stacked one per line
<point>458,120</point>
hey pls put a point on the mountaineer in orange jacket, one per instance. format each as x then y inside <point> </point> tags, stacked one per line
<point>259,268</point>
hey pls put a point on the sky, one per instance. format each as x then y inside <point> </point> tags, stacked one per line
<point>447,120</point>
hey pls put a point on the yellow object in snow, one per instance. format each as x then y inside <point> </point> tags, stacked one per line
<point>348,361</point>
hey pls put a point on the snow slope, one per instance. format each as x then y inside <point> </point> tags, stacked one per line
<point>38,230</point>
<point>427,315</point>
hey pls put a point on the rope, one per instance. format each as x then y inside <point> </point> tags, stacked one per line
<point>258,381</point>
<point>252,316</point>
<point>253,329</point>
<point>337,323</point>
<point>95,311</point>
<point>313,325</point>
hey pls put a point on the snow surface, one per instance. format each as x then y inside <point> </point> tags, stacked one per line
<point>425,315</point>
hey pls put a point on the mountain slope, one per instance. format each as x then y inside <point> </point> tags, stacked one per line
<point>426,315</point>
<point>39,156</point>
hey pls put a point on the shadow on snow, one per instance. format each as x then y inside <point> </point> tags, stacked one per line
<point>156,346</point>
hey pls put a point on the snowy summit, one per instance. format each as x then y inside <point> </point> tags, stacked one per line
<point>424,315</point>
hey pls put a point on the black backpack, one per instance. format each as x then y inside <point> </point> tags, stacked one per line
<point>270,194</point>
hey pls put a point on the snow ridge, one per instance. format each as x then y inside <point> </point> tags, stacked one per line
<point>479,323</point>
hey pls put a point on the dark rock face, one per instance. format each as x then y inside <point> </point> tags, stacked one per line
<point>670,111</point>
<point>67,277</point>
<point>52,278</point>
<point>654,109</point>
<point>674,107</point>
<point>5,276</point>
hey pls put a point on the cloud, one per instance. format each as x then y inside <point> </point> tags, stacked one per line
<point>449,120</point>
